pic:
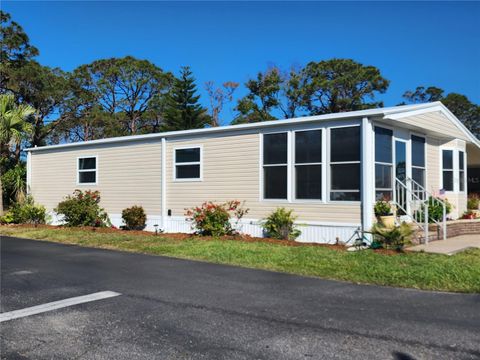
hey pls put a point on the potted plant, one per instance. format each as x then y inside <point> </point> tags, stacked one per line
<point>384,213</point>
<point>395,237</point>
<point>473,204</point>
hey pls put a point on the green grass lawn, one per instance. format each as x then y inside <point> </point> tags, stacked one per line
<point>459,273</point>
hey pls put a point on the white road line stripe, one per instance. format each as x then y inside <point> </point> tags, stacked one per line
<point>56,305</point>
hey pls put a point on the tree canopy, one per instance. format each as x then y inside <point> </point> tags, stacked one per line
<point>126,96</point>
<point>330,86</point>
<point>465,110</point>
<point>182,109</point>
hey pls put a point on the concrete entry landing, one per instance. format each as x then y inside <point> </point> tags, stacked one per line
<point>450,246</point>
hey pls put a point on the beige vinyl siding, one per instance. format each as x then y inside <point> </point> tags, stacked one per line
<point>435,122</point>
<point>231,170</point>
<point>127,174</point>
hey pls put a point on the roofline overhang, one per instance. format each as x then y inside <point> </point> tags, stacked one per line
<point>388,113</point>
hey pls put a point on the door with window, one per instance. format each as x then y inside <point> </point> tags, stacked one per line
<point>401,172</point>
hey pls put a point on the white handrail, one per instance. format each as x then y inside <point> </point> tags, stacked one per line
<point>408,194</point>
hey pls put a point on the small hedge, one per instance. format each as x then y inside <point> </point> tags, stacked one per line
<point>25,212</point>
<point>134,218</point>
<point>83,209</point>
<point>212,219</point>
<point>280,224</point>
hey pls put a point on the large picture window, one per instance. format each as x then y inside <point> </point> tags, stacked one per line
<point>345,164</point>
<point>383,163</point>
<point>461,171</point>
<point>308,164</point>
<point>447,169</point>
<point>87,170</point>
<point>188,164</point>
<point>275,168</point>
<point>418,160</point>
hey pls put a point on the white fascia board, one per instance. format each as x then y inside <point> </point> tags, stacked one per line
<point>259,125</point>
<point>436,107</point>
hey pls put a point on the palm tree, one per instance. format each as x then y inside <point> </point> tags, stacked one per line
<point>13,129</point>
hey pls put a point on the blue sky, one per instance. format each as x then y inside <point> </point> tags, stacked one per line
<point>425,43</point>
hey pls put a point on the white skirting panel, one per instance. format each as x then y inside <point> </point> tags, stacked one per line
<point>327,233</point>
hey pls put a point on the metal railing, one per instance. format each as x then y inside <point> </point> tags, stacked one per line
<point>415,201</point>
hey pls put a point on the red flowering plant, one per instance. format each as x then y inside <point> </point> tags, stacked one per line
<point>83,209</point>
<point>212,219</point>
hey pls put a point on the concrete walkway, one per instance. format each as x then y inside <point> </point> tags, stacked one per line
<point>450,246</point>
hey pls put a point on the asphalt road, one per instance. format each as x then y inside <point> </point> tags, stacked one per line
<point>178,309</point>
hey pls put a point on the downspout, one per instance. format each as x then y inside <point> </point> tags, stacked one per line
<point>367,174</point>
<point>29,172</point>
<point>164,183</point>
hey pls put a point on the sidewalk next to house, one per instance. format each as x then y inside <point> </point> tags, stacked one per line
<point>450,246</point>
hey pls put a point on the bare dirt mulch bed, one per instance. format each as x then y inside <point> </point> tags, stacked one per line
<point>183,236</point>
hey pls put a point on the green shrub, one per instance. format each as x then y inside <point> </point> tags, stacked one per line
<point>393,237</point>
<point>134,218</point>
<point>7,218</point>
<point>435,210</point>
<point>280,224</point>
<point>83,209</point>
<point>473,202</point>
<point>215,219</point>
<point>25,212</point>
<point>383,208</point>
<point>14,184</point>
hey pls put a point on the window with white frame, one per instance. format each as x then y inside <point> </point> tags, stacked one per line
<point>383,163</point>
<point>447,170</point>
<point>308,164</point>
<point>275,166</point>
<point>345,164</point>
<point>461,171</point>
<point>87,170</point>
<point>188,163</point>
<point>418,159</point>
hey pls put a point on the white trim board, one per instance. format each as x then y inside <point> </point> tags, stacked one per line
<point>393,113</point>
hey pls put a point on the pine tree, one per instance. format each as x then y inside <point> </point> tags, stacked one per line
<point>183,111</point>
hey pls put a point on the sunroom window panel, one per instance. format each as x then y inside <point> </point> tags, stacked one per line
<point>383,176</point>
<point>345,196</point>
<point>345,144</point>
<point>345,164</point>
<point>418,175</point>
<point>383,163</point>
<point>383,195</point>
<point>418,151</point>
<point>345,177</point>
<point>383,145</point>
<point>308,182</point>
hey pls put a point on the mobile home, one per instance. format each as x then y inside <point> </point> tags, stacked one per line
<point>329,169</point>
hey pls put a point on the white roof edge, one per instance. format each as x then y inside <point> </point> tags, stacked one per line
<point>438,106</point>
<point>462,127</point>
<point>344,115</point>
